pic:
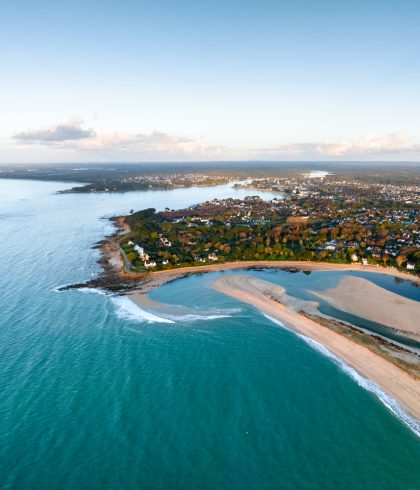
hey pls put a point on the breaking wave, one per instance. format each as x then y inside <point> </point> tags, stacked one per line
<point>390,402</point>
<point>93,291</point>
<point>128,310</point>
<point>195,318</point>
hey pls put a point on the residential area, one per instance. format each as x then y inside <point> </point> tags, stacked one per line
<point>323,219</point>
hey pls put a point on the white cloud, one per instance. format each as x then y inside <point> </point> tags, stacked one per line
<point>53,135</point>
<point>155,142</point>
<point>72,138</point>
<point>393,143</point>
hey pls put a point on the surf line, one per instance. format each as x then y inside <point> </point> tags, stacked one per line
<point>386,399</point>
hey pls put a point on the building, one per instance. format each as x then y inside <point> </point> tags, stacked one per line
<point>149,264</point>
<point>165,242</point>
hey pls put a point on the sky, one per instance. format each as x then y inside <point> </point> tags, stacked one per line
<point>184,80</point>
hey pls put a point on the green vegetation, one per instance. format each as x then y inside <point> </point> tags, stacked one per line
<point>252,229</point>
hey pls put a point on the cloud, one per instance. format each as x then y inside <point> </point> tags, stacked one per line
<point>155,142</point>
<point>72,136</point>
<point>393,143</point>
<point>53,135</point>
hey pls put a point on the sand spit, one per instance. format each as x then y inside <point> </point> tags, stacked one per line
<point>404,387</point>
<point>365,299</point>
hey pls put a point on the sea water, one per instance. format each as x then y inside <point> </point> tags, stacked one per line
<point>94,395</point>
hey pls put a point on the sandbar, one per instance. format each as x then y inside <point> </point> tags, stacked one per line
<point>404,387</point>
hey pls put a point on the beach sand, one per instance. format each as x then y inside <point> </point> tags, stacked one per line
<point>292,264</point>
<point>392,379</point>
<point>147,281</point>
<point>365,299</point>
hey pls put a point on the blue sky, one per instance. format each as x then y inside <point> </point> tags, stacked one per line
<point>184,81</point>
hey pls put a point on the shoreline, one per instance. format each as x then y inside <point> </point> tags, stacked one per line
<point>395,381</point>
<point>123,226</point>
<point>115,277</point>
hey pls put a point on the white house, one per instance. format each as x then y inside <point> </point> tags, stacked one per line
<point>364,261</point>
<point>213,256</point>
<point>139,250</point>
<point>165,262</point>
<point>354,258</point>
<point>410,266</point>
<point>152,263</point>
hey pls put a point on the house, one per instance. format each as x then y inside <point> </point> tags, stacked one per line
<point>166,242</point>
<point>130,243</point>
<point>147,264</point>
<point>354,258</point>
<point>364,262</point>
<point>377,253</point>
<point>199,259</point>
<point>139,250</point>
<point>213,256</point>
<point>165,262</point>
<point>410,266</point>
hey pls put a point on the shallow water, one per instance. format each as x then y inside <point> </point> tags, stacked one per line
<point>93,398</point>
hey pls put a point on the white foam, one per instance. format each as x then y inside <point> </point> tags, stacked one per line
<point>93,291</point>
<point>368,385</point>
<point>210,315</point>
<point>195,318</point>
<point>58,289</point>
<point>128,310</point>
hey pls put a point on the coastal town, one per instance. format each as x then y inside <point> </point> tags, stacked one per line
<point>320,219</point>
<point>152,182</point>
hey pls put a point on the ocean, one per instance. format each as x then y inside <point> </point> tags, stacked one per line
<point>95,394</point>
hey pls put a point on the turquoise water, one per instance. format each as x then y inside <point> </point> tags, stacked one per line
<point>91,396</point>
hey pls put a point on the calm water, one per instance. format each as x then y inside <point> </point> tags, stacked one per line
<point>93,397</point>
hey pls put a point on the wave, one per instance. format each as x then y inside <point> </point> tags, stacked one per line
<point>61,289</point>
<point>94,291</point>
<point>197,317</point>
<point>128,310</point>
<point>390,402</point>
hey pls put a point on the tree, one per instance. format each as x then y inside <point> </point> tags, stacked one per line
<point>131,256</point>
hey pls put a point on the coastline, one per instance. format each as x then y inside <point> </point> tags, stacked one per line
<point>292,264</point>
<point>115,277</point>
<point>403,387</point>
<point>123,226</point>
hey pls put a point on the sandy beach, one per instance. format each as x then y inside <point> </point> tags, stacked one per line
<point>290,264</point>
<point>392,379</point>
<point>146,281</point>
<point>116,277</point>
<point>365,299</point>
